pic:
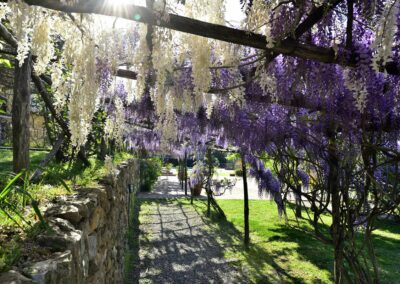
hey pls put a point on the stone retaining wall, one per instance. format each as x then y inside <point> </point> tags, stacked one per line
<point>89,236</point>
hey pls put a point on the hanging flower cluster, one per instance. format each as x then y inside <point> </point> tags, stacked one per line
<point>114,125</point>
<point>42,45</point>
<point>201,53</point>
<point>385,32</point>
<point>258,20</point>
<point>21,23</point>
<point>355,83</point>
<point>83,99</point>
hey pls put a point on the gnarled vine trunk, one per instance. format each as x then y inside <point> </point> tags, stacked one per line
<point>334,191</point>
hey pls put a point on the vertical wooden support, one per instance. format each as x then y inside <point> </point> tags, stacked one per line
<point>246,204</point>
<point>298,201</point>
<point>208,185</point>
<point>20,115</point>
<point>186,176</point>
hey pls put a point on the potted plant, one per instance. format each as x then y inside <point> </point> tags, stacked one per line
<point>197,178</point>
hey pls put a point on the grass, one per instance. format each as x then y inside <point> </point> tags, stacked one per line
<point>277,252</point>
<point>138,214</point>
<point>219,172</point>
<point>282,254</point>
<point>277,247</point>
<point>6,157</point>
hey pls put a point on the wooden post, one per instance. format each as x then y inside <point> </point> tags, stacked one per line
<point>334,190</point>
<point>20,115</point>
<point>180,173</point>
<point>186,176</point>
<point>208,185</point>
<point>298,201</point>
<point>246,204</point>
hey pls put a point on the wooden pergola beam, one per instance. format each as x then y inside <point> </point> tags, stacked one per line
<point>289,47</point>
<point>127,74</point>
<point>9,38</point>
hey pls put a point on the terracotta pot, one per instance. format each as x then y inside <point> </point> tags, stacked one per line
<point>197,189</point>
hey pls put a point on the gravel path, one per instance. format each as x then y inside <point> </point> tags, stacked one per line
<point>178,245</point>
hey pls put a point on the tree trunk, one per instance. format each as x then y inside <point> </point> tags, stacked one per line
<point>20,115</point>
<point>246,204</point>
<point>103,150</point>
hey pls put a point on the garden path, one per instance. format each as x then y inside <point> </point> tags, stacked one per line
<point>177,244</point>
<point>168,187</point>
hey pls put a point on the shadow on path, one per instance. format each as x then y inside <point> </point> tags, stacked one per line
<point>177,245</point>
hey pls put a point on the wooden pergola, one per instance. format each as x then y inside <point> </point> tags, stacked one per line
<point>290,46</point>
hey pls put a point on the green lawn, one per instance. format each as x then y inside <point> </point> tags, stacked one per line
<point>282,254</point>
<point>219,172</point>
<point>6,157</point>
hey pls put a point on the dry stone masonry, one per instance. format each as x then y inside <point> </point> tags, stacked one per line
<point>89,236</point>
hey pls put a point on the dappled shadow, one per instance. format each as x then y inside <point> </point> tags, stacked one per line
<point>387,248</point>
<point>183,248</point>
<point>255,256</point>
<point>178,246</point>
<point>307,248</point>
<point>184,244</point>
<point>166,187</point>
<point>390,226</point>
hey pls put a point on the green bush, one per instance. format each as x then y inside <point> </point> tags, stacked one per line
<point>168,167</point>
<point>238,168</point>
<point>9,254</point>
<point>150,170</point>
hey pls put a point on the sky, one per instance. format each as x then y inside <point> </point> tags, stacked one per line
<point>233,14</point>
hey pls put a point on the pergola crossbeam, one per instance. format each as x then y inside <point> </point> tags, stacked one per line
<point>289,47</point>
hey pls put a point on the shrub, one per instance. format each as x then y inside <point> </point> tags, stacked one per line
<point>150,170</point>
<point>197,175</point>
<point>238,168</point>
<point>9,254</point>
<point>168,167</point>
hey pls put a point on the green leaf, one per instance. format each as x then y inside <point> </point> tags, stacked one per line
<point>35,206</point>
<point>14,209</point>
<point>6,63</point>
<point>65,185</point>
<point>8,188</point>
